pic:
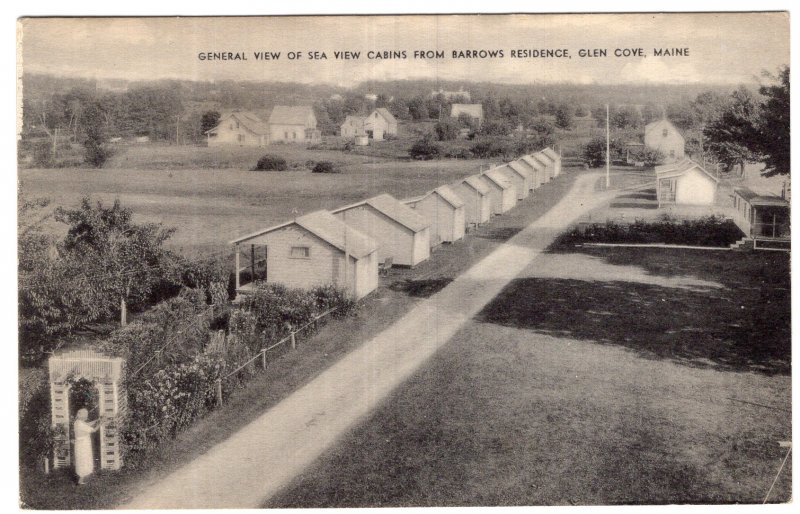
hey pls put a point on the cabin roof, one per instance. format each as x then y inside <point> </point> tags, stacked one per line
<point>290,114</point>
<point>475,182</point>
<point>757,199</point>
<point>680,168</point>
<point>392,208</point>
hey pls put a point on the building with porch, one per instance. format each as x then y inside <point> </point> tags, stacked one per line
<point>242,128</point>
<point>761,216</point>
<point>316,249</point>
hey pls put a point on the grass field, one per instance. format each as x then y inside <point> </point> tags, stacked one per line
<point>210,207</point>
<point>398,292</point>
<point>606,377</point>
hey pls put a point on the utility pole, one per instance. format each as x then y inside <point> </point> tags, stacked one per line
<point>177,129</point>
<point>608,152</point>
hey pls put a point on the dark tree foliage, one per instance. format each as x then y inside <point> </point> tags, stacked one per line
<point>94,139</point>
<point>425,149</point>
<point>447,129</point>
<point>270,162</point>
<point>733,137</point>
<point>773,126</point>
<point>564,116</point>
<point>208,121</point>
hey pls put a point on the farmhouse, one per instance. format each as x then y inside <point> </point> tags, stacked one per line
<point>475,195</point>
<point>502,195</point>
<point>313,250</point>
<point>293,124</point>
<point>556,158</point>
<point>761,216</point>
<point>548,163</point>
<point>444,211</point>
<point>662,135</point>
<point>539,170</point>
<point>402,234</point>
<point>686,183</point>
<point>376,125</point>
<point>520,177</point>
<point>474,111</point>
<point>241,128</point>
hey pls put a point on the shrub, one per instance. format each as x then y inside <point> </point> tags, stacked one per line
<point>706,231</point>
<point>459,153</point>
<point>271,162</point>
<point>648,156</point>
<point>425,150</point>
<point>325,167</point>
<point>447,129</point>
<point>490,148</point>
<point>595,152</point>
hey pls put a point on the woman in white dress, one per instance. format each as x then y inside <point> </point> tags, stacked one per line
<point>84,460</point>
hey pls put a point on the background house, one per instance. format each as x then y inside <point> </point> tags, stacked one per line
<point>685,182</point>
<point>663,136</point>
<point>401,233</point>
<point>293,124</point>
<point>474,111</point>
<point>761,216</point>
<point>376,125</point>
<point>352,126</point>
<point>313,250</point>
<point>241,128</point>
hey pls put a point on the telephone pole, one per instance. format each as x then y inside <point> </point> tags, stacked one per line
<point>608,152</point>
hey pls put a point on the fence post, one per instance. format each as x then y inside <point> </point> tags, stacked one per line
<point>46,465</point>
<point>294,341</point>
<point>219,391</point>
<point>264,359</point>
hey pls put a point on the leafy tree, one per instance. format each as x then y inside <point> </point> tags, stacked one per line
<point>650,113</point>
<point>209,120</point>
<point>649,156</point>
<point>399,109</point>
<point>581,111</point>
<point>625,117</point>
<point>595,152</point>
<point>732,136</point>
<point>564,116</point>
<point>425,149</point>
<point>123,261</point>
<point>447,129</point>
<point>497,128</point>
<point>682,114</point>
<point>94,140</point>
<point>417,108</point>
<point>773,126</point>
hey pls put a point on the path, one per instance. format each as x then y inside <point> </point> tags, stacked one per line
<point>264,456</point>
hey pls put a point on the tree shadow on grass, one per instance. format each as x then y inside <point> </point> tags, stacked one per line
<point>421,288</point>
<point>499,233</point>
<point>725,330</point>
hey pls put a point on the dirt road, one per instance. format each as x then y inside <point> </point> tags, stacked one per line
<point>264,456</point>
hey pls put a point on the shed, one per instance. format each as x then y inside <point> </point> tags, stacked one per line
<point>539,169</point>
<point>444,211</point>
<point>521,178</point>
<point>556,158</point>
<point>549,165</point>
<point>475,195</point>
<point>685,183</point>
<point>313,250</point>
<point>401,233</point>
<point>501,190</point>
<point>761,216</point>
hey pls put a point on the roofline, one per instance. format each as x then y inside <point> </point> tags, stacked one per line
<point>366,202</point>
<point>262,232</point>
<point>681,171</point>
<point>502,186</point>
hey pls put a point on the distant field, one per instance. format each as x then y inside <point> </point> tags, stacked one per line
<point>210,207</point>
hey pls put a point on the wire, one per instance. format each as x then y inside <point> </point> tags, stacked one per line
<point>777,475</point>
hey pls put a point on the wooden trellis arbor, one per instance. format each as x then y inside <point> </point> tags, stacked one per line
<point>105,373</point>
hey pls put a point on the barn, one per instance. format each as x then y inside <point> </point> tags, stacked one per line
<point>293,124</point>
<point>241,128</point>
<point>663,136</point>
<point>685,183</point>
<point>539,169</point>
<point>521,178</point>
<point>475,195</point>
<point>402,234</point>
<point>444,211</point>
<point>556,158</point>
<point>313,250</point>
<point>501,190</point>
<point>549,165</point>
<point>376,125</point>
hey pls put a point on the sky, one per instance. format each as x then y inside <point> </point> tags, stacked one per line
<point>723,48</point>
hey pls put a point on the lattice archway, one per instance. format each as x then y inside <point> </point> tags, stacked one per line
<point>106,373</point>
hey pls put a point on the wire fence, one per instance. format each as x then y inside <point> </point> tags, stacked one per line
<point>291,339</point>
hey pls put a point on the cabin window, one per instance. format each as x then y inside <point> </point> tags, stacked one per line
<point>294,135</point>
<point>665,133</point>
<point>241,138</point>
<point>300,252</point>
<point>286,135</point>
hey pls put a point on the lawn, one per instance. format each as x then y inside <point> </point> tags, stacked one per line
<point>210,207</point>
<point>609,376</point>
<point>286,372</point>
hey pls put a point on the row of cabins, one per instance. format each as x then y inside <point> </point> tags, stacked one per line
<point>346,247</point>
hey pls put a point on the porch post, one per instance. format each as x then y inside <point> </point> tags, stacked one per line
<point>252,263</point>
<point>773,224</point>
